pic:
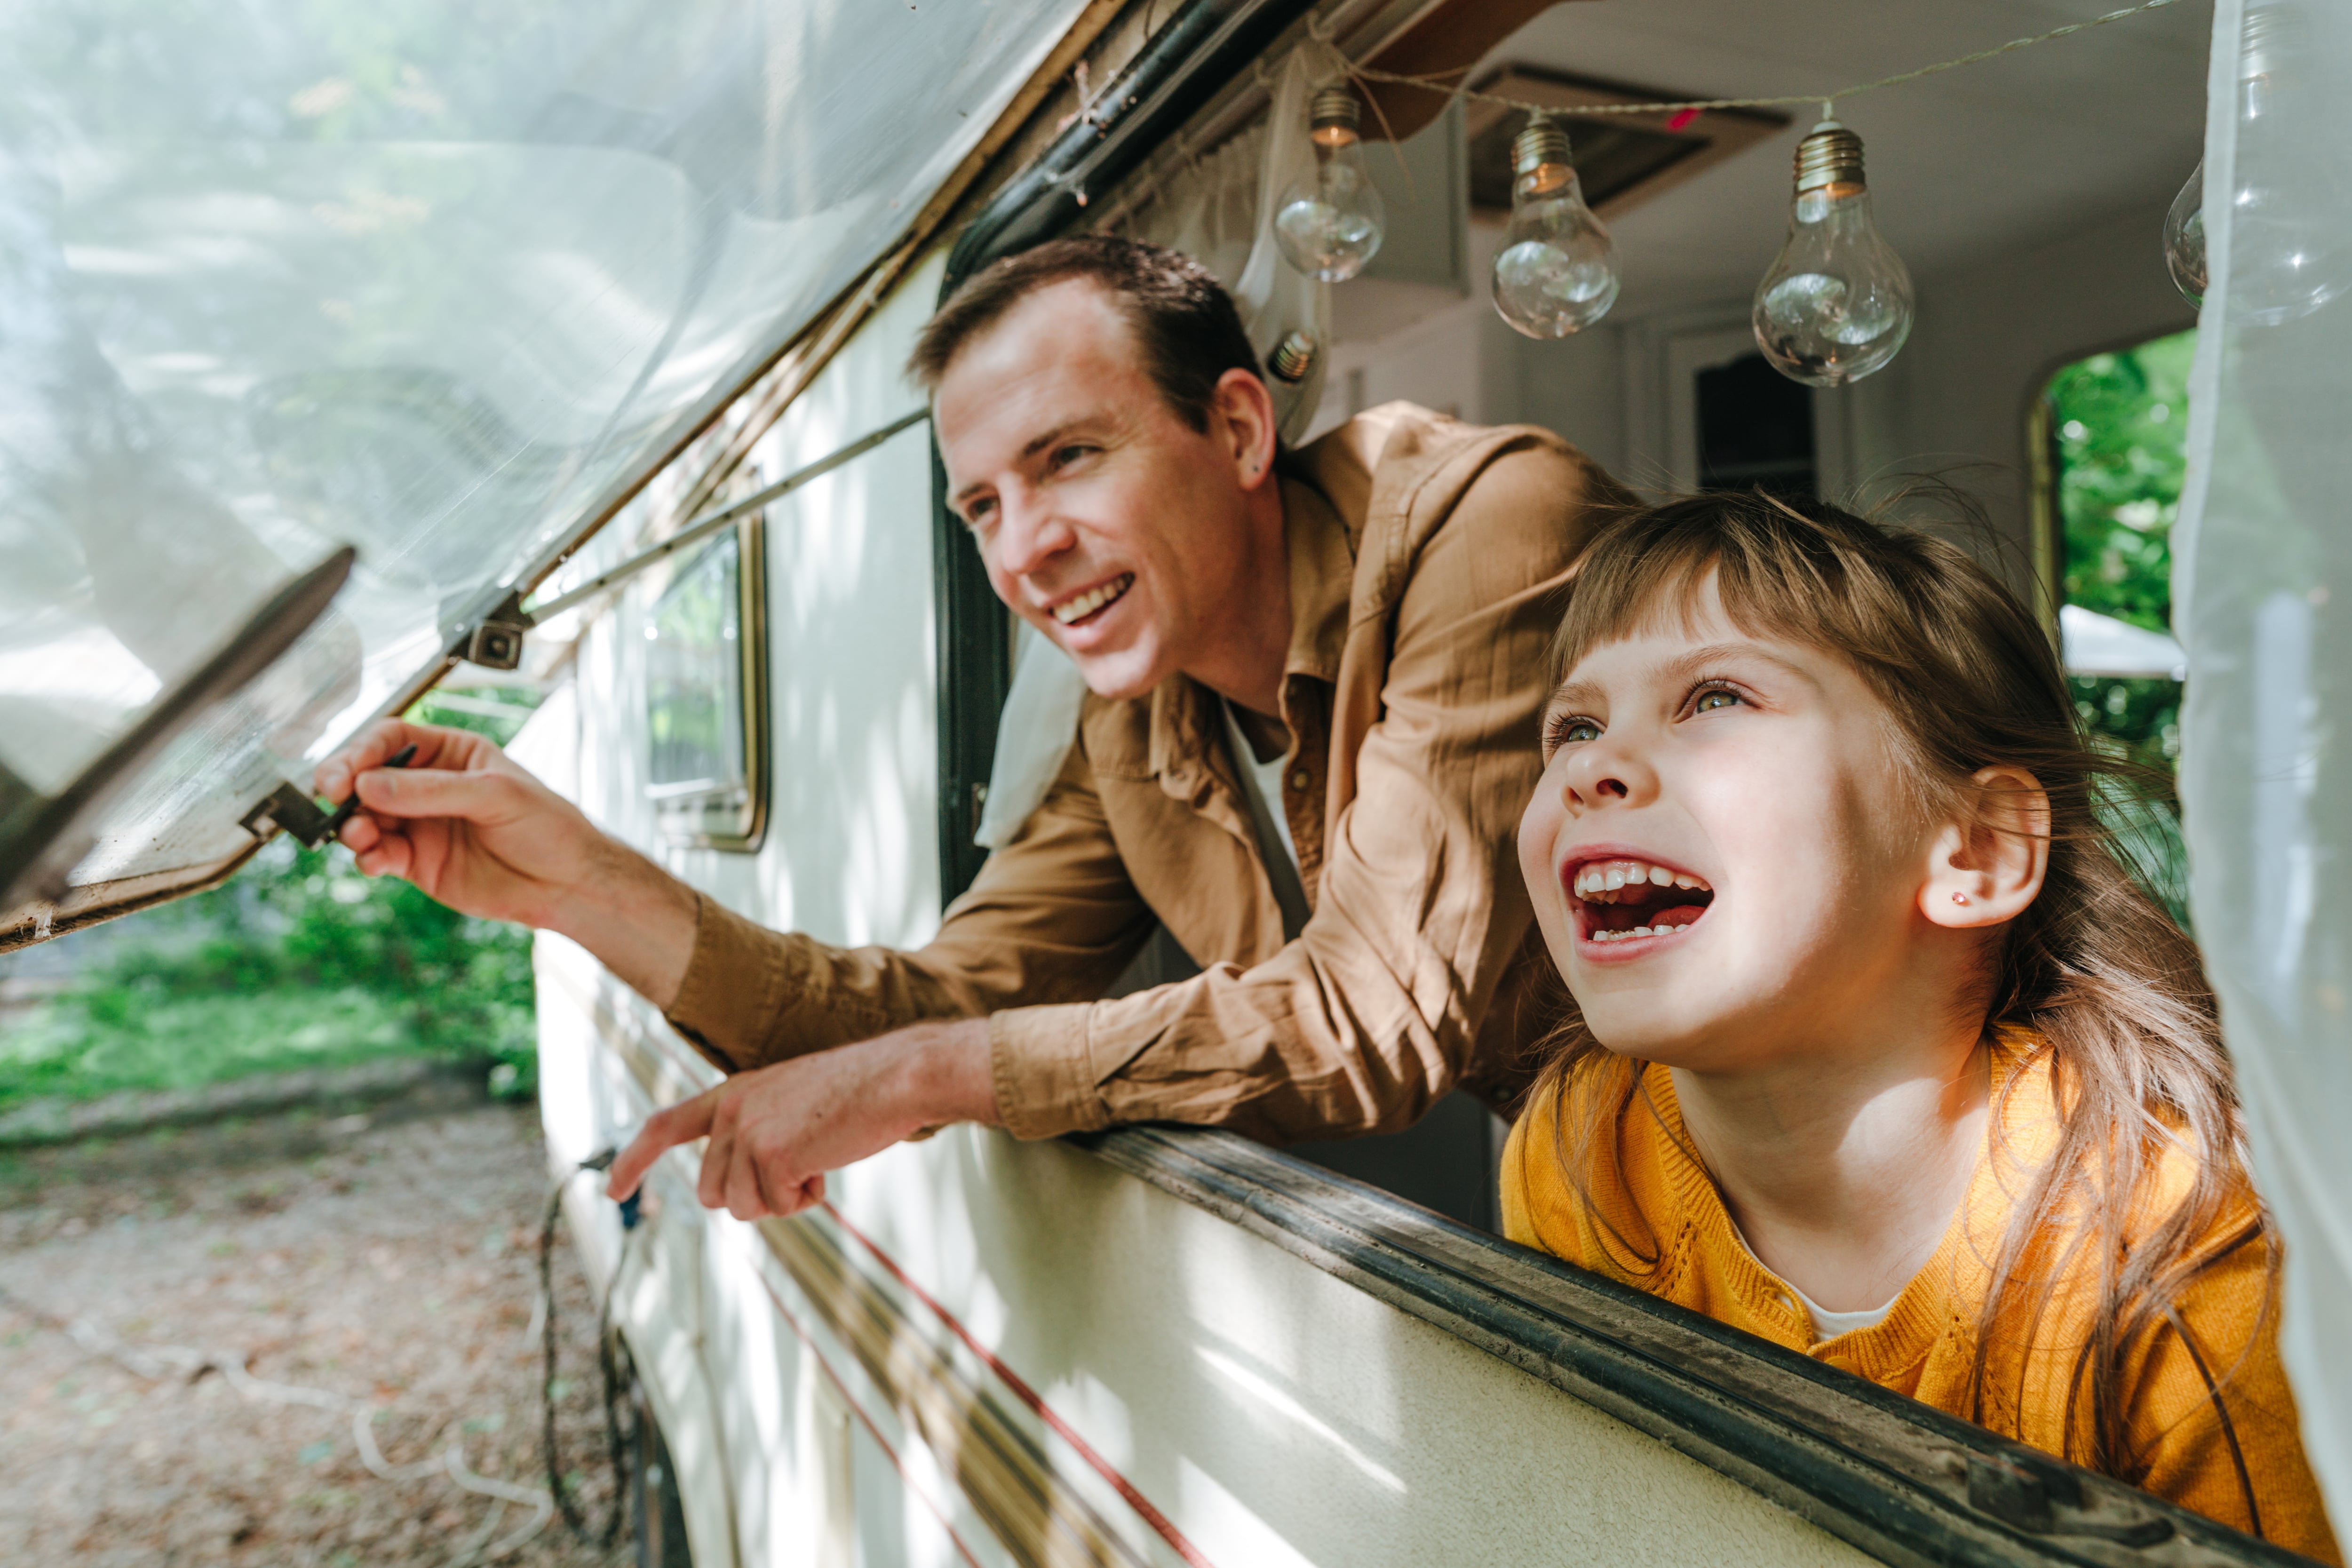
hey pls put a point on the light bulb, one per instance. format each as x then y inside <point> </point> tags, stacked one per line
<point>1557,272</point>
<point>1293,359</point>
<point>1329,227</point>
<point>2184,239</point>
<point>1836,302</point>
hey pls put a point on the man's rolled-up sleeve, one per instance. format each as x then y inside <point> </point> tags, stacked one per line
<point>1368,1016</point>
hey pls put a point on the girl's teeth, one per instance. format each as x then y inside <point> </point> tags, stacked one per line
<point>1596,881</point>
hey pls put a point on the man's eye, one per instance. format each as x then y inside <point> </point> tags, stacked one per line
<point>1065,456</point>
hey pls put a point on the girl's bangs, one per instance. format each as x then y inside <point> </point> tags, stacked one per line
<point>1655,577</point>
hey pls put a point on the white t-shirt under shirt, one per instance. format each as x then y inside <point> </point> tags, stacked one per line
<point>1827,1325</point>
<point>1262,792</point>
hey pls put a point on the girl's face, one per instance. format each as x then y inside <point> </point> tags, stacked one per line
<point>1724,860</point>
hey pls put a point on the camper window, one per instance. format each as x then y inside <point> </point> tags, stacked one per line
<point>706,699</point>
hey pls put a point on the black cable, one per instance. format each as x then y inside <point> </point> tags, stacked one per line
<point>620,1448</point>
<point>616,1447</point>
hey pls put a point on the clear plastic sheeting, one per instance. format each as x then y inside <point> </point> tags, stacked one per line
<point>2264,597</point>
<point>428,279</point>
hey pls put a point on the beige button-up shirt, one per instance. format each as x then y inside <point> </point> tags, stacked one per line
<point>1429,561</point>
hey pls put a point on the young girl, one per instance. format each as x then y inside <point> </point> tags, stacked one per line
<point>1876,1050</point>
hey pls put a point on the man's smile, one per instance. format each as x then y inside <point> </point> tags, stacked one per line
<point>1091,602</point>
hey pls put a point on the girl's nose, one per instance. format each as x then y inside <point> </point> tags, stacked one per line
<point>1606,774</point>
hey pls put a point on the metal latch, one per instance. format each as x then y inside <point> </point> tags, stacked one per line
<point>290,811</point>
<point>496,643</point>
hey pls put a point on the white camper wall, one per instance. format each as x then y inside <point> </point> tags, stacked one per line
<point>850,853</point>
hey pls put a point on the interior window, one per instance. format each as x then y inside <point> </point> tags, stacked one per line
<point>1754,428</point>
<point>2118,428</point>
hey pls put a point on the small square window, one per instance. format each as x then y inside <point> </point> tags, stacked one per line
<point>706,696</point>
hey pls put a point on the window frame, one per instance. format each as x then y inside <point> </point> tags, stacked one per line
<point>684,816</point>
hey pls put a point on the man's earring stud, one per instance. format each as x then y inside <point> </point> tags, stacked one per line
<point>1959,898</point>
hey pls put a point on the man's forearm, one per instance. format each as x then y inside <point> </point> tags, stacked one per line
<point>637,918</point>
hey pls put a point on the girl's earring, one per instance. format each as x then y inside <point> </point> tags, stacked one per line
<point>1959,898</point>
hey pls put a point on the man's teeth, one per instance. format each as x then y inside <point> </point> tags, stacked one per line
<point>1087,603</point>
<point>1599,880</point>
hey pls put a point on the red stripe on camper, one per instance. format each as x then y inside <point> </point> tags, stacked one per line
<point>817,1355</point>
<point>1135,1500</point>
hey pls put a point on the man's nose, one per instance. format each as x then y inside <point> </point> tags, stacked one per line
<point>1028,535</point>
<point>1607,772</point>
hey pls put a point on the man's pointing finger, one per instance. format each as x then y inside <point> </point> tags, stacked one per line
<point>682,1124</point>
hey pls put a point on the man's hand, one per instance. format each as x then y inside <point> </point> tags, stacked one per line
<point>774,1133</point>
<point>475,831</point>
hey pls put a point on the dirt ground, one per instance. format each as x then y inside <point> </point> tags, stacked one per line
<point>390,1257</point>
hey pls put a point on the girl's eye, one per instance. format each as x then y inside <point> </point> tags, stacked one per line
<point>1571,730</point>
<point>1712,698</point>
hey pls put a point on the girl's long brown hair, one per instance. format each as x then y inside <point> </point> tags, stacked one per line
<point>2094,966</point>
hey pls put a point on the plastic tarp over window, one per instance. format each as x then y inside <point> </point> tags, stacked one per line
<point>425,277</point>
<point>2265,591</point>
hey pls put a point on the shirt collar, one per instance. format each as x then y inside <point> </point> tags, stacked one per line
<point>1322,571</point>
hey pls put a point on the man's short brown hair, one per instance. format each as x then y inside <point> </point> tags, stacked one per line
<point>1183,319</point>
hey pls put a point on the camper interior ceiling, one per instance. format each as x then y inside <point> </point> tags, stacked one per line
<point>662,262</point>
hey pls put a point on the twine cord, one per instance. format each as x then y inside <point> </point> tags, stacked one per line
<point>1436,84</point>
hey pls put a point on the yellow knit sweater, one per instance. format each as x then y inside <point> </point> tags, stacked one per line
<point>1649,1198</point>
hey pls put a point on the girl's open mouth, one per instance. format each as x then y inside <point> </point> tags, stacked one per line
<point>1619,900</point>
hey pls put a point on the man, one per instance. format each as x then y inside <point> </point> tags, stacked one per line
<point>1314,682</point>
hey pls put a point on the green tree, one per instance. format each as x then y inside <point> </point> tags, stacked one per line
<point>2120,424</point>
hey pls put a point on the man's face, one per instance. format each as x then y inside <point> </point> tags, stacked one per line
<point>1106,521</point>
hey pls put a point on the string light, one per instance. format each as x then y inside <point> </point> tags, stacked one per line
<point>1835,304</point>
<point>1435,84</point>
<point>2184,239</point>
<point>1330,226</point>
<point>1557,272</point>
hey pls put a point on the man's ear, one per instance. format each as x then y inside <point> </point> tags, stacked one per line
<point>1244,409</point>
<point>1987,866</point>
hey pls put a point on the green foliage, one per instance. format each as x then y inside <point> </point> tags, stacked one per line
<point>2121,427</point>
<point>497,711</point>
<point>297,961</point>
<point>2121,422</point>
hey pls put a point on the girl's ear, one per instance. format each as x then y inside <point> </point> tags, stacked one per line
<point>1987,866</point>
